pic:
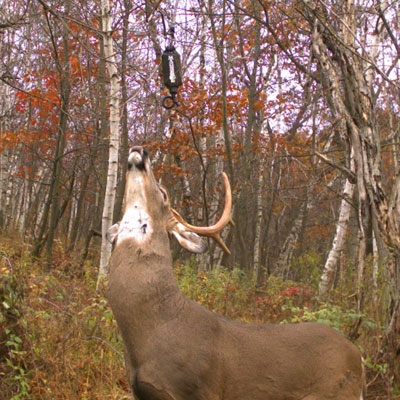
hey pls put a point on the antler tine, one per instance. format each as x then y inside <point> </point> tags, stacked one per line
<point>214,230</point>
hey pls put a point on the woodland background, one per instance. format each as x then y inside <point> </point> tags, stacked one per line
<point>297,100</point>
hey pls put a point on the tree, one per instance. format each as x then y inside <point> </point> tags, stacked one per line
<point>112,173</point>
<point>331,263</point>
<point>348,81</point>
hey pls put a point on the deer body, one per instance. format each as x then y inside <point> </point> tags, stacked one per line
<point>178,350</point>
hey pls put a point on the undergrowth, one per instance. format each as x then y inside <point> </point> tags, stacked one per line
<point>58,339</point>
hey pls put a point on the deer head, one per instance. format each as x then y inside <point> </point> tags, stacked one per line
<point>178,350</point>
<point>147,211</point>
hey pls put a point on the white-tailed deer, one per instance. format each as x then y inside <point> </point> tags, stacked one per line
<point>178,350</point>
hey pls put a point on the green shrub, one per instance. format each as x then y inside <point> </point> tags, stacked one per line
<point>13,374</point>
<point>221,290</point>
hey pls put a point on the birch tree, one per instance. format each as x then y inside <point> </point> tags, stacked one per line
<point>112,172</point>
<point>5,180</point>
<point>339,238</point>
<point>348,86</point>
<point>287,250</point>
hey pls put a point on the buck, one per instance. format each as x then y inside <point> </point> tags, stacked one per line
<point>175,349</point>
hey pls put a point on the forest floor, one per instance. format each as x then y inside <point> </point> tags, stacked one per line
<point>58,339</point>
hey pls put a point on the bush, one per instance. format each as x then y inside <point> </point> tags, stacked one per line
<point>276,294</point>
<point>13,370</point>
<point>220,290</point>
<point>61,341</point>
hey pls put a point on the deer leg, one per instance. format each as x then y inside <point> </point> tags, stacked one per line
<point>130,370</point>
<point>146,391</point>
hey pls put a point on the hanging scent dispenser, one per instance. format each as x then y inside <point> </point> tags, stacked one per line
<point>171,69</point>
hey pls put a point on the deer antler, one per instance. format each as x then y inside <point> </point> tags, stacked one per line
<point>214,230</point>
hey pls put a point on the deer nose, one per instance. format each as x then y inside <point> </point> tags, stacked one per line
<point>138,149</point>
<point>137,156</point>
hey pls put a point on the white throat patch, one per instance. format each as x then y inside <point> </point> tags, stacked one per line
<point>135,224</point>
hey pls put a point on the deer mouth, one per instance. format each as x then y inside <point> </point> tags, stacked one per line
<point>137,158</point>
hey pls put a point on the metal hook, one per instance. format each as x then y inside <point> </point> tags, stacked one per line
<point>169,102</point>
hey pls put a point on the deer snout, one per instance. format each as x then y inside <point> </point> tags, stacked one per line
<point>137,157</point>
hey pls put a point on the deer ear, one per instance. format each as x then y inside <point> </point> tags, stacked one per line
<point>112,233</point>
<point>189,240</point>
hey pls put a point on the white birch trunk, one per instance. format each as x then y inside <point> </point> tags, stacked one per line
<point>259,215</point>
<point>18,201</point>
<point>26,207</point>
<point>74,206</point>
<point>37,187</point>
<point>9,185</point>
<point>109,199</point>
<point>5,156</point>
<point>339,239</point>
<point>286,255</point>
<point>375,269</point>
<point>3,183</point>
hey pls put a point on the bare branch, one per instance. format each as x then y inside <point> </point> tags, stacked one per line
<point>350,175</point>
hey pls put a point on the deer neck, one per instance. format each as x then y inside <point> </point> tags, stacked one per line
<point>142,289</point>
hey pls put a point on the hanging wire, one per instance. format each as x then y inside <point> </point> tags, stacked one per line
<point>169,34</point>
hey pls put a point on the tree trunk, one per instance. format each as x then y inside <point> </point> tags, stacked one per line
<point>112,173</point>
<point>78,213</point>
<point>4,159</point>
<point>258,225</point>
<point>215,254</point>
<point>347,83</point>
<point>244,202</point>
<point>219,48</point>
<point>124,120</point>
<point>60,147</point>
<point>339,238</point>
<point>51,209</point>
<point>286,254</point>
